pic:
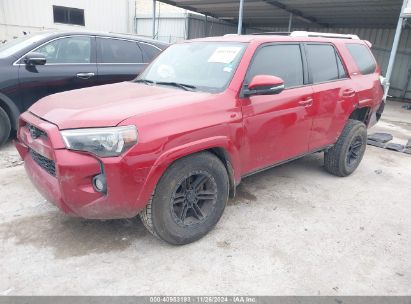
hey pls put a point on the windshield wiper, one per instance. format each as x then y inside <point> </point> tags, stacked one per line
<point>187,87</point>
<point>146,81</point>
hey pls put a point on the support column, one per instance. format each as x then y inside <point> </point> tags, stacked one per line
<point>290,22</point>
<point>240,18</point>
<point>206,26</point>
<point>394,49</point>
<point>154,18</point>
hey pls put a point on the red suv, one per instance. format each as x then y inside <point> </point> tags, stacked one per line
<point>173,144</point>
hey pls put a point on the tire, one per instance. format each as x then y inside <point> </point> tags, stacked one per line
<point>5,127</point>
<point>345,156</point>
<point>189,199</point>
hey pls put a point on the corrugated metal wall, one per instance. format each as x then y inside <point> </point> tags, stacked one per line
<point>170,28</point>
<point>200,27</point>
<point>176,27</point>
<point>17,16</point>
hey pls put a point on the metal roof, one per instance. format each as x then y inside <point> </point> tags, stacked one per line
<point>306,13</point>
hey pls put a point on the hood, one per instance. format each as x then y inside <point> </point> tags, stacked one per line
<point>108,105</point>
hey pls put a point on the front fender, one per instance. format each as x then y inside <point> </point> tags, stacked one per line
<point>171,155</point>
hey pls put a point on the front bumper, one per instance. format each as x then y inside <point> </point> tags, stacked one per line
<point>71,189</point>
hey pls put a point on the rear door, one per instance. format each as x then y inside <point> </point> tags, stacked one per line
<point>118,60</point>
<point>334,94</point>
<point>70,65</point>
<point>277,126</point>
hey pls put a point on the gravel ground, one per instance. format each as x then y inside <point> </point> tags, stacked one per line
<point>293,229</point>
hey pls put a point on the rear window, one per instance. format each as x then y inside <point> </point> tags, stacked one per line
<point>362,57</point>
<point>119,51</point>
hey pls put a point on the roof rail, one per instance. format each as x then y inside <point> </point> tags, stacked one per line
<point>326,35</point>
<point>272,33</point>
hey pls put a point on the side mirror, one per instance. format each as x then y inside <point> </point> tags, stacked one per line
<point>35,58</point>
<point>264,85</point>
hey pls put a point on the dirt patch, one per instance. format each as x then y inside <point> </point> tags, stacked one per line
<point>9,158</point>
<point>388,160</point>
<point>70,237</point>
<point>223,244</point>
<point>242,195</point>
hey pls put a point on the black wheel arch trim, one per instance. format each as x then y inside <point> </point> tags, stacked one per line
<point>225,158</point>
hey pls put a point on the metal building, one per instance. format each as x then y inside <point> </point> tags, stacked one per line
<point>174,27</point>
<point>18,16</point>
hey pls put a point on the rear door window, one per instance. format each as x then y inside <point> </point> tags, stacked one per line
<point>324,63</point>
<point>282,60</point>
<point>119,51</point>
<point>362,57</point>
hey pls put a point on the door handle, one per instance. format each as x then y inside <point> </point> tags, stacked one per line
<point>85,75</point>
<point>348,93</point>
<point>306,102</point>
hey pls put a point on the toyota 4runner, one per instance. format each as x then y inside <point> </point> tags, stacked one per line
<point>173,144</point>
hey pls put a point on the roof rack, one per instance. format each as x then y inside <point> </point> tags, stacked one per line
<point>310,34</point>
<point>326,35</point>
<point>272,33</point>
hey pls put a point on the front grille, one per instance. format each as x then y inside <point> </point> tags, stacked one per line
<point>44,162</point>
<point>36,132</point>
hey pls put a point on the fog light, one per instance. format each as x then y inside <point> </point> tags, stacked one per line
<point>99,183</point>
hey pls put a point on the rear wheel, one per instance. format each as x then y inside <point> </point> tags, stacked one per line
<point>189,199</point>
<point>5,126</point>
<point>345,156</point>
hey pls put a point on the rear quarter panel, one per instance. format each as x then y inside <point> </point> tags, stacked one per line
<point>368,86</point>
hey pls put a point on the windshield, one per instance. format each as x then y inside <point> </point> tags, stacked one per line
<point>203,66</point>
<point>16,45</point>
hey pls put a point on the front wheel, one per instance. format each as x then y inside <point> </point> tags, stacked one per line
<point>345,156</point>
<point>189,199</point>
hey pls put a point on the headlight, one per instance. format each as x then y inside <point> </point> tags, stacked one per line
<point>104,142</point>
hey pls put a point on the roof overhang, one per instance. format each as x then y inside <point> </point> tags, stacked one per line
<point>306,13</point>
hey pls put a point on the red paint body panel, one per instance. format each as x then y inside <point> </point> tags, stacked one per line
<point>255,132</point>
<point>272,122</point>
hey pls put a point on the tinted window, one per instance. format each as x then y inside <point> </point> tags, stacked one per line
<point>67,50</point>
<point>119,51</point>
<point>362,57</point>
<point>323,62</point>
<point>150,52</point>
<point>279,60</point>
<point>68,15</point>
